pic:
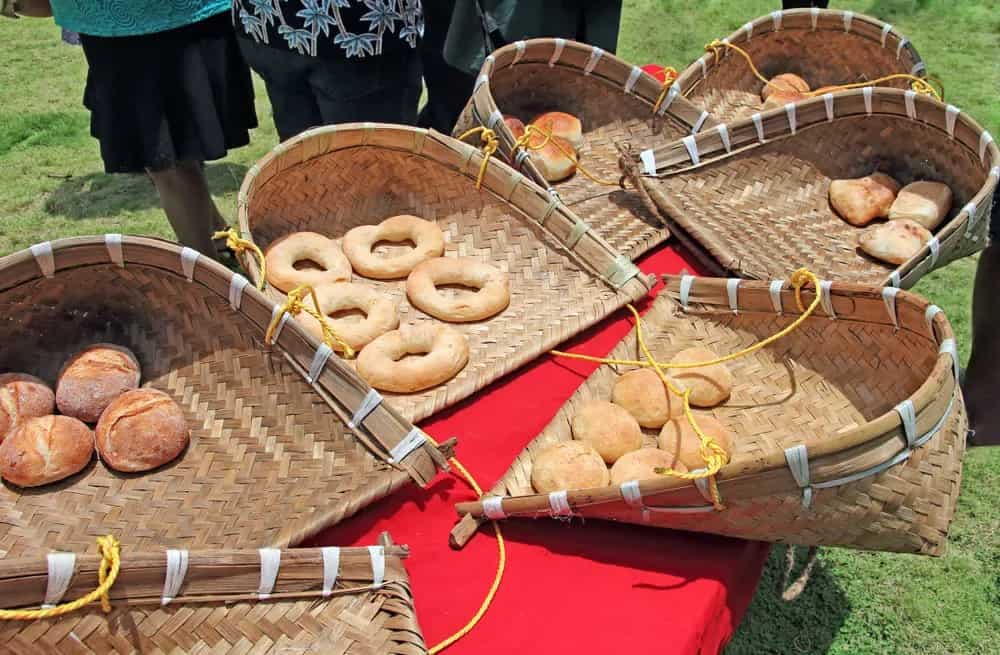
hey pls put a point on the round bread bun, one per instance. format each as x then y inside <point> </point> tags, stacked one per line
<point>786,82</point>
<point>782,98</point>
<point>568,465</point>
<point>297,247</point>
<point>427,237</point>
<point>563,125</point>
<point>515,125</point>
<point>862,200</point>
<point>141,430</point>
<point>94,377</point>
<point>608,428</point>
<point>646,398</point>
<point>709,385</point>
<point>641,464</point>
<point>552,161</point>
<point>894,242</point>
<point>444,352</point>
<point>491,297</point>
<point>679,440</point>
<point>22,396</point>
<point>45,449</point>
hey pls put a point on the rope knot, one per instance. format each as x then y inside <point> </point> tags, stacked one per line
<point>800,277</point>
<point>490,143</point>
<point>670,76</point>
<point>293,305</point>
<point>110,549</point>
<point>238,244</point>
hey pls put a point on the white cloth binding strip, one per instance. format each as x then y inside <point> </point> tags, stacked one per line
<point>579,229</point>
<point>595,56</point>
<point>749,28</point>
<point>692,148</point>
<point>790,112</point>
<point>885,32</point>
<point>950,114</point>
<point>848,17</point>
<point>724,135</point>
<point>935,247</point>
<point>701,484</point>
<point>671,95</point>
<point>776,20</point>
<point>270,563</point>
<point>918,68</point>
<point>46,261</point>
<point>557,53</point>
<point>493,508</point>
<point>236,285</point>
<point>368,404</point>
<point>732,292</point>
<point>551,207</point>
<point>889,298</point>
<point>189,259</point>
<point>281,322</point>
<point>948,346</point>
<point>798,463</point>
<point>414,439</point>
<point>908,417</point>
<point>519,158</point>
<point>331,568</point>
<point>481,80</point>
<point>828,103</point>
<point>932,311</point>
<point>867,93</point>
<point>814,17</point>
<point>824,298</point>
<point>648,158</point>
<point>319,360</point>
<point>633,77</point>
<point>759,126</point>
<point>700,122</point>
<point>559,504</point>
<point>995,172</point>
<point>899,48</point>
<point>377,554</point>
<point>515,181</point>
<point>775,290</point>
<point>985,139</point>
<point>894,278</point>
<point>631,493</point>
<point>704,67</point>
<point>113,242</point>
<point>494,119</point>
<point>686,282</point>
<point>61,567</point>
<point>518,51</point>
<point>490,59</point>
<point>911,107</point>
<point>177,566</point>
<point>970,212</point>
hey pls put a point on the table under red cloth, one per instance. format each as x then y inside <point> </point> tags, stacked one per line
<point>570,587</point>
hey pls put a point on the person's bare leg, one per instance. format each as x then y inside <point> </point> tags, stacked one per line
<point>982,377</point>
<point>189,206</point>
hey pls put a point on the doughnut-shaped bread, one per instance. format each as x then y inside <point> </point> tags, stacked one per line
<point>444,352</point>
<point>284,253</point>
<point>381,314</point>
<point>786,82</point>
<point>426,236</point>
<point>709,385</point>
<point>568,465</point>
<point>45,449</point>
<point>926,203</point>
<point>552,161</point>
<point>492,284</point>
<point>641,464</point>
<point>646,398</point>
<point>22,396</point>
<point>515,126</point>
<point>894,242</point>
<point>562,125</point>
<point>679,440</point>
<point>862,200</point>
<point>608,428</point>
<point>94,377</point>
<point>141,430</point>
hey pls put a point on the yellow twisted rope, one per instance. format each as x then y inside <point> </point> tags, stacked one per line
<point>110,551</point>
<point>488,138</point>
<point>670,76</point>
<point>238,244</point>
<point>524,141</point>
<point>293,305</point>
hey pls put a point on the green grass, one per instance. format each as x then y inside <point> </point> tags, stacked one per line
<point>51,184</point>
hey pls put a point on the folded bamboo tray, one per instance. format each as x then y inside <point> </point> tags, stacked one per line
<point>824,46</point>
<point>350,601</point>
<point>271,460</point>
<point>754,194</point>
<point>849,431</point>
<point>614,101</point>
<point>563,277</point>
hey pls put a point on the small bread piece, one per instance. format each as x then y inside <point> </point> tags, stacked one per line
<point>646,398</point>
<point>94,377</point>
<point>298,247</point>
<point>22,396</point>
<point>45,449</point>
<point>608,428</point>
<point>786,82</point>
<point>926,203</point>
<point>782,98</point>
<point>515,126</point>
<point>641,464</point>
<point>444,352</point>
<point>427,238</point>
<point>894,242</point>
<point>563,125</point>
<point>709,385</point>
<point>862,200</point>
<point>679,440</point>
<point>491,297</point>
<point>568,465</point>
<point>141,430</point>
<point>552,161</point>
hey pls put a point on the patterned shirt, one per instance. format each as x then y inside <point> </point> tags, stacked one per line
<point>332,28</point>
<point>132,17</point>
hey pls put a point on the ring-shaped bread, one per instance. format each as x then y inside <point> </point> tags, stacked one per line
<point>492,284</point>
<point>426,236</point>
<point>443,352</point>
<point>380,313</point>
<point>305,246</point>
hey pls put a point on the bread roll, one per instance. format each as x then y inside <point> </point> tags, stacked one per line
<point>608,428</point>
<point>894,242</point>
<point>93,377</point>
<point>22,396</point>
<point>646,398</point>
<point>679,440</point>
<point>784,83</point>
<point>515,126</point>
<point>709,385</point>
<point>642,464</point>
<point>563,125</point>
<point>927,203</point>
<point>45,449</point>
<point>141,430</point>
<point>553,162</point>
<point>862,200</point>
<point>782,98</point>
<point>568,465</point>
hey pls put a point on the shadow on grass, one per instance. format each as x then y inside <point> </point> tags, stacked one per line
<point>97,195</point>
<point>807,625</point>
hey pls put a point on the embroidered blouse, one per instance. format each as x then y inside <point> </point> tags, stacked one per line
<point>132,17</point>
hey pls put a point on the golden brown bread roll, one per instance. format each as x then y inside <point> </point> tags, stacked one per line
<point>927,203</point>
<point>515,126</point>
<point>552,159</point>
<point>894,242</point>
<point>646,398</point>
<point>782,98</point>
<point>22,396</point>
<point>862,200</point>
<point>563,125</point>
<point>784,83</point>
<point>93,377</point>
<point>141,430</point>
<point>568,465</point>
<point>45,449</point>
<point>608,428</point>
<point>709,385</point>
<point>642,464</point>
<point>679,440</point>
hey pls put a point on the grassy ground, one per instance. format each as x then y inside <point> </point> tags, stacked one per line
<point>51,185</point>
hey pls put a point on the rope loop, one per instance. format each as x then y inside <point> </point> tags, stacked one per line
<point>293,305</point>
<point>490,143</point>
<point>525,142</point>
<point>238,244</point>
<point>670,76</point>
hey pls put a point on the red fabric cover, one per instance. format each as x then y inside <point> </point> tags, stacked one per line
<point>656,71</point>
<point>569,587</point>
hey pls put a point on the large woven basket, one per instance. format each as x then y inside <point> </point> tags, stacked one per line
<point>563,277</point>
<point>849,431</point>
<point>613,100</point>
<point>754,193</point>
<point>824,46</point>
<point>217,608</point>
<point>271,460</point>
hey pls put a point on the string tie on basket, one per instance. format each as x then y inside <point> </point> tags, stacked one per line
<point>670,76</point>
<point>238,244</point>
<point>294,304</point>
<point>490,143</point>
<point>526,143</point>
<point>107,573</point>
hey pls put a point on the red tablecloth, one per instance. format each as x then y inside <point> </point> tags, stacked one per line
<point>569,587</point>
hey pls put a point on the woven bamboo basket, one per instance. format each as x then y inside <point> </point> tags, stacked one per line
<point>754,194</point>
<point>613,100</point>
<point>849,431</point>
<point>825,47</point>
<point>271,459</point>
<point>353,601</point>
<point>563,277</point>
